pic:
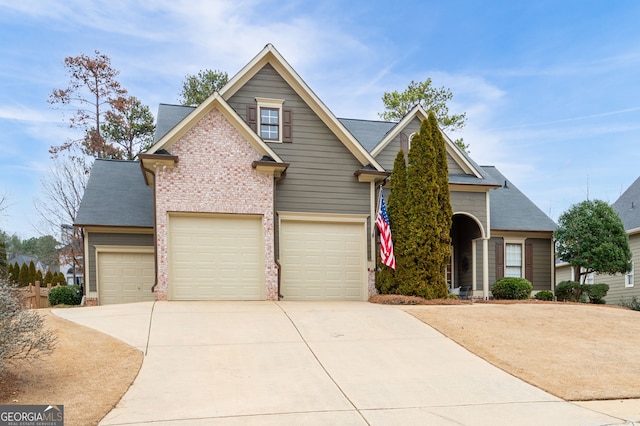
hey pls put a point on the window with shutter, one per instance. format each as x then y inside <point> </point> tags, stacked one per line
<point>273,122</point>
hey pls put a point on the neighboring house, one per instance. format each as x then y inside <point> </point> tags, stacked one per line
<point>261,193</point>
<point>621,286</point>
<point>23,259</point>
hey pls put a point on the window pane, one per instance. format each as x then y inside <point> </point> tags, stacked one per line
<point>513,260</point>
<point>269,128</point>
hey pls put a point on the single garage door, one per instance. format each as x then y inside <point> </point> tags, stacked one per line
<point>125,277</point>
<point>216,257</point>
<point>323,260</point>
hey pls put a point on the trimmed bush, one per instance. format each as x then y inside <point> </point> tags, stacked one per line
<point>569,291</point>
<point>596,292</point>
<point>510,288</point>
<point>65,295</point>
<point>544,295</point>
<point>633,304</point>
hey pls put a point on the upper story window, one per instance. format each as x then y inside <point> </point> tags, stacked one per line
<point>270,120</point>
<point>270,123</point>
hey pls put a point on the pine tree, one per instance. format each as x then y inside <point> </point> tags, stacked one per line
<point>4,270</point>
<point>48,277</point>
<point>388,280</point>
<point>38,276</point>
<point>445,216</point>
<point>428,214</point>
<point>32,272</point>
<point>23,276</point>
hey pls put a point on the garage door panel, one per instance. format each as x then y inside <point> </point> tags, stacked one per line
<point>323,260</point>
<point>216,258</point>
<point>125,277</point>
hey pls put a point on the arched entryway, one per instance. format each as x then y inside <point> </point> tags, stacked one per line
<point>465,230</point>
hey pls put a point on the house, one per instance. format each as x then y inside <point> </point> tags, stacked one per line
<point>261,193</point>
<point>621,286</point>
<point>23,259</point>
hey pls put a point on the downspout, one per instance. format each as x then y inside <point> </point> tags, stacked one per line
<point>276,234</point>
<point>155,234</point>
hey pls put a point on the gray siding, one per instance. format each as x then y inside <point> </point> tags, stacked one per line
<point>321,176</point>
<point>388,155</point>
<point>474,203</point>
<point>617,290</point>
<point>454,168</point>
<point>107,239</point>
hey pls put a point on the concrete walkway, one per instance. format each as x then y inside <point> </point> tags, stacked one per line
<point>324,363</point>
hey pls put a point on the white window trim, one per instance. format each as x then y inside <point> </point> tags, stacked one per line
<point>271,104</point>
<point>629,277</point>
<point>519,241</point>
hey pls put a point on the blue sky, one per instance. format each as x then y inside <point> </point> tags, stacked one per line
<point>550,88</point>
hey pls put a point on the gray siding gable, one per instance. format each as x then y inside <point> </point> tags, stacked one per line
<point>116,195</point>
<point>511,210</point>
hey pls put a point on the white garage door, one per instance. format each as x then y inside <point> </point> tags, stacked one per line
<point>125,277</point>
<point>323,260</point>
<point>216,258</point>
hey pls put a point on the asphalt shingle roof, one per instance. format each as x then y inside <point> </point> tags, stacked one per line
<point>628,206</point>
<point>116,195</point>
<point>511,210</point>
<point>168,117</point>
<point>368,132</point>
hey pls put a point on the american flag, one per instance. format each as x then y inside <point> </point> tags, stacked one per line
<point>386,244</point>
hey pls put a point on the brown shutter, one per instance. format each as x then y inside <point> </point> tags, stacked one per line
<point>499,260</point>
<point>252,117</point>
<point>528,262</point>
<point>404,146</point>
<point>287,125</point>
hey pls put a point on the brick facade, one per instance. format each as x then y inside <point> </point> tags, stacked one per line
<point>214,175</point>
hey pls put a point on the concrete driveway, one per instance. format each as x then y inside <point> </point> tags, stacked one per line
<point>324,363</point>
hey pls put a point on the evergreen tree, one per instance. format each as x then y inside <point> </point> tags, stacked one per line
<point>32,272</point>
<point>16,272</point>
<point>388,280</point>
<point>48,277</point>
<point>428,245</point>
<point>4,271</point>
<point>38,276</point>
<point>445,212</point>
<point>23,277</point>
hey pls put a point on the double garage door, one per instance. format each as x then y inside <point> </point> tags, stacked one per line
<point>126,277</point>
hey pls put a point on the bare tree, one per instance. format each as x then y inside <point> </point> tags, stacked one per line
<point>92,86</point>
<point>61,193</point>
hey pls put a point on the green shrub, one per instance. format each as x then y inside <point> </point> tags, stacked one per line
<point>512,288</point>
<point>544,295</point>
<point>596,292</point>
<point>634,303</point>
<point>65,295</point>
<point>569,291</point>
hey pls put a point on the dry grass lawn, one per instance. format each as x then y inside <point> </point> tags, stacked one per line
<point>574,351</point>
<point>88,372</point>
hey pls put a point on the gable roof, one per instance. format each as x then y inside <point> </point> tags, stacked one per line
<point>130,200</point>
<point>269,55</point>
<point>167,118</point>
<point>511,210</point>
<point>368,132</point>
<point>192,117</point>
<point>628,206</point>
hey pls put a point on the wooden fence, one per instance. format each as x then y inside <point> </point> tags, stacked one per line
<point>35,296</point>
